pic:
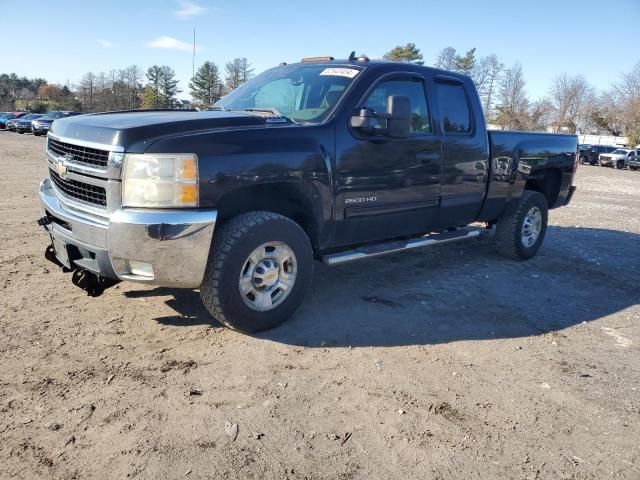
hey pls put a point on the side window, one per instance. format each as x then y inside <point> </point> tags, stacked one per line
<point>409,87</point>
<point>452,101</point>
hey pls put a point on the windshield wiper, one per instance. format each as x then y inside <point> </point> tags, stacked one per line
<point>218,108</point>
<point>275,111</point>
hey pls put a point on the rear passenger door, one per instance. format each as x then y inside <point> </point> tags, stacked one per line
<point>465,164</point>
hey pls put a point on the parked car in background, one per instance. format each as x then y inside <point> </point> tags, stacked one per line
<point>583,153</point>
<point>42,125</point>
<point>619,158</point>
<point>8,116</point>
<point>634,160</point>
<point>594,151</point>
<point>11,124</point>
<point>24,124</point>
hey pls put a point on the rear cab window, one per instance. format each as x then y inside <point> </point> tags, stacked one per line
<point>454,108</point>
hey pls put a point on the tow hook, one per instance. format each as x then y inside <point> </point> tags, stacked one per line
<point>91,283</point>
<point>44,221</point>
<point>50,255</point>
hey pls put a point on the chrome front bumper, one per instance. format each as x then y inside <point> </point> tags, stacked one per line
<point>175,243</point>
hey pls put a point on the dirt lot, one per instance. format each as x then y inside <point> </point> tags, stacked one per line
<point>441,364</point>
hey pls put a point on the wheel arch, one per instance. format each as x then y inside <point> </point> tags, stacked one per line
<point>295,200</point>
<point>548,182</point>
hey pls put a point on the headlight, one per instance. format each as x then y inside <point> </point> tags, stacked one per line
<point>160,180</point>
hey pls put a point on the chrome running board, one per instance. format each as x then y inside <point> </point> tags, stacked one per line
<point>398,246</point>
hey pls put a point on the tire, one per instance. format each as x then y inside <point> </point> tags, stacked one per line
<point>509,231</point>
<point>37,134</point>
<point>619,164</point>
<point>584,160</point>
<point>20,132</point>
<point>234,244</point>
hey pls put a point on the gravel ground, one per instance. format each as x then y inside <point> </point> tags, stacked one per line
<point>446,363</point>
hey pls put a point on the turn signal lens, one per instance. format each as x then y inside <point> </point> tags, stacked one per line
<point>189,169</point>
<point>189,194</point>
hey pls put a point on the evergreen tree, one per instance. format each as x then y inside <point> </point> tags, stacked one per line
<point>406,54</point>
<point>154,76</point>
<point>149,98</point>
<point>465,64</point>
<point>206,86</point>
<point>168,87</point>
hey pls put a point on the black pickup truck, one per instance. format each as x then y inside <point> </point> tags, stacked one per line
<point>333,160</point>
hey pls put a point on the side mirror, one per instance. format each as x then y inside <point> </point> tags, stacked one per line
<point>399,116</point>
<point>365,120</point>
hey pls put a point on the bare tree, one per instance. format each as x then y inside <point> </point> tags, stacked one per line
<point>134,76</point>
<point>86,89</point>
<point>512,99</point>
<point>494,68</point>
<point>539,115</point>
<point>446,59</point>
<point>627,96</point>
<point>237,72</point>
<point>569,95</point>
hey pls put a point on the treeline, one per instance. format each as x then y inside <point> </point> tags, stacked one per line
<point>122,89</point>
<point>33,94</point>
<point>571,104</point>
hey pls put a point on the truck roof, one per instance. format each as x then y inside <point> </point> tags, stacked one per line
<point>364,63</point>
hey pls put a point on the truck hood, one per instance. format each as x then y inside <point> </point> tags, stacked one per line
<point>135,131</point>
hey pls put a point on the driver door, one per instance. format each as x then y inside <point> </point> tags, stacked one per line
<point>388,187</point>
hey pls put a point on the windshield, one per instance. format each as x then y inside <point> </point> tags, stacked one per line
<point>53,115</point>
<point>31,116</point>
<point>302,93</point>
<point>620,151</point>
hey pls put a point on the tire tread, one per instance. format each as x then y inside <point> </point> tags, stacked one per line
<point>223,242</point>
<point>508,227</point>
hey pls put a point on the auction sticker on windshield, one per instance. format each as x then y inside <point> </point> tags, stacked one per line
<point>340,72</point>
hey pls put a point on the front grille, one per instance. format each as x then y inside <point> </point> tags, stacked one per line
<point>79,190</point>
<point>86,155</point>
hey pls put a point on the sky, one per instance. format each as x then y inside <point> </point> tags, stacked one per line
<point>62,40</point>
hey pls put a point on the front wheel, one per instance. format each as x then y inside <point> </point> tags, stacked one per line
<point>37,134</point>
<point>259,269</point>
<point>620,164</point>
<point>521,229</point>
<point>583,160</point>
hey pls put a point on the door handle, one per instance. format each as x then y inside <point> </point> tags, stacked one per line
<point>428,157</point>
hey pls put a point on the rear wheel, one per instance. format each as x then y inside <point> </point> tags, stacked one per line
<point>37,134</point>
<point>258,272</point>
<point>584,160</point>
<point>521,230</point>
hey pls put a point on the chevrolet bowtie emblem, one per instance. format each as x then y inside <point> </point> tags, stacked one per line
<point>60,168</point>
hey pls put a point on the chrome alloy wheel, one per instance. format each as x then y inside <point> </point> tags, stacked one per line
<point>531,227</point>
<point>268,276</point>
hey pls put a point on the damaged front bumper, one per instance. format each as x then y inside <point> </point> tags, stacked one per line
<point>159,247</point>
